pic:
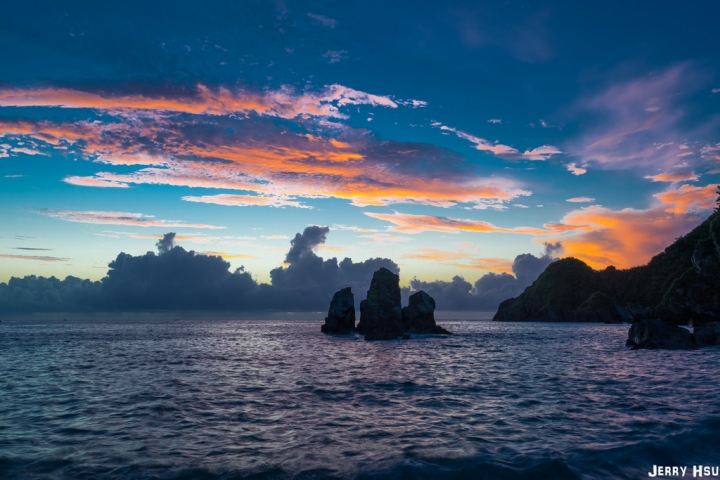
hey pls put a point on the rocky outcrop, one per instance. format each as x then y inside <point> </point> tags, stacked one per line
<point>653,334</point>
<point>341,315</point>
<point>381,312</point>
<point>419,315</point>
<point>708,335</point>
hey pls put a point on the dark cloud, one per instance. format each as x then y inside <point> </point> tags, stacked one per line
<point>176,279</point>
<point>309,281</point>
<point>490,289</point>
<point>166,243</point>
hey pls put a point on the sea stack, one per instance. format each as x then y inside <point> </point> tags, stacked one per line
<point>341,315</point>
<point>652,333</point>
<point>381,312</point>
<point>419,315</point>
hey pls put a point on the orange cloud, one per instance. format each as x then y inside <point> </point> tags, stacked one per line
<point>437,255</point>
<point>689,199</point>
<point>272,163</point>
<point>408,223</point>
<point>120,218</point>
<point>631,237</point>
<point>462,260</point>
<point>227,255</point>
<point>285,102</point>
<point>497,265</point>
<point>674,177</point>
<point>625,238</point>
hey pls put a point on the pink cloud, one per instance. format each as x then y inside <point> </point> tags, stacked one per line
<point>685,176</point>
<point>120,218</point>
<point>574,169</point>
<point>269,162</point>
<point>407,223</point>
<point>246,201</point>
<point>631,121</point>
<point>285,102</point>
<point>94,182</point>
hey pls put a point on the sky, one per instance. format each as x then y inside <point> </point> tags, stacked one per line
<point>449,137</point>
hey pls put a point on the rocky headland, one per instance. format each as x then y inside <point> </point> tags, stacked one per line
<point>680,286</point>
<point>382,316</point>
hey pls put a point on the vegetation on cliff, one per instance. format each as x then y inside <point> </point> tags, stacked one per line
<point>679,285</point>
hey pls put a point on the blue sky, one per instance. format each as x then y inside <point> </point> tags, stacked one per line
<point>450,138</point>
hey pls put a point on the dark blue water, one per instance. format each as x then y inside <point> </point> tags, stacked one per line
<point>277,399</point>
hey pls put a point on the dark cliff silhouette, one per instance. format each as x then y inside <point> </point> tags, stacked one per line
<point>680,285</point>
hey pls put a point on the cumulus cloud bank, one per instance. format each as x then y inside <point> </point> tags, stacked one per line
<point>177,279</point>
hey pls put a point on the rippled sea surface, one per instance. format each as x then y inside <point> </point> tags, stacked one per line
<point>278,399</point>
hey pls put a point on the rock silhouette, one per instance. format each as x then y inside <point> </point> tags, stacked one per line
<point>381,312</point>
<point>680,285</point>
<point>653,333</point>
<point>341,315</point>
<point>419,315</point>
<point>708,335</point>
<point>383,318</point>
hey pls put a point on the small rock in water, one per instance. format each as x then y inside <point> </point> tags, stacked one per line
<point>341,315</point>
<point>652,333</point>
<point>419,315</point>
<point>707,335</point>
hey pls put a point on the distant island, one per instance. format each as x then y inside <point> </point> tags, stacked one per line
<point>678,286</point>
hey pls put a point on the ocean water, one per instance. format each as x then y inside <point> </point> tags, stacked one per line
<point>235,399</point>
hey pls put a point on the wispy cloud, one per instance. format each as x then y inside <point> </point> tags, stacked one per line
<point>34,257</point>
<point>228,256</point>
<point>285,102</point>
<point>353,228</point>
<point>539,153</point>
<point>27,151</point>
<point>323,20</point>
<point>626,126</point>
<point>461,259</point>
<point>247,201</point>
<point>94,182</point>
<point>580,200</point>
<point>407,223</point>
<point>684,176</point>
<point>382,238</point>
<point>335,56</point>
<point>275,237</point>
<point>119,218</point>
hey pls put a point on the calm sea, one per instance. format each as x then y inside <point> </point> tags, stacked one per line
<point>234,399</point>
